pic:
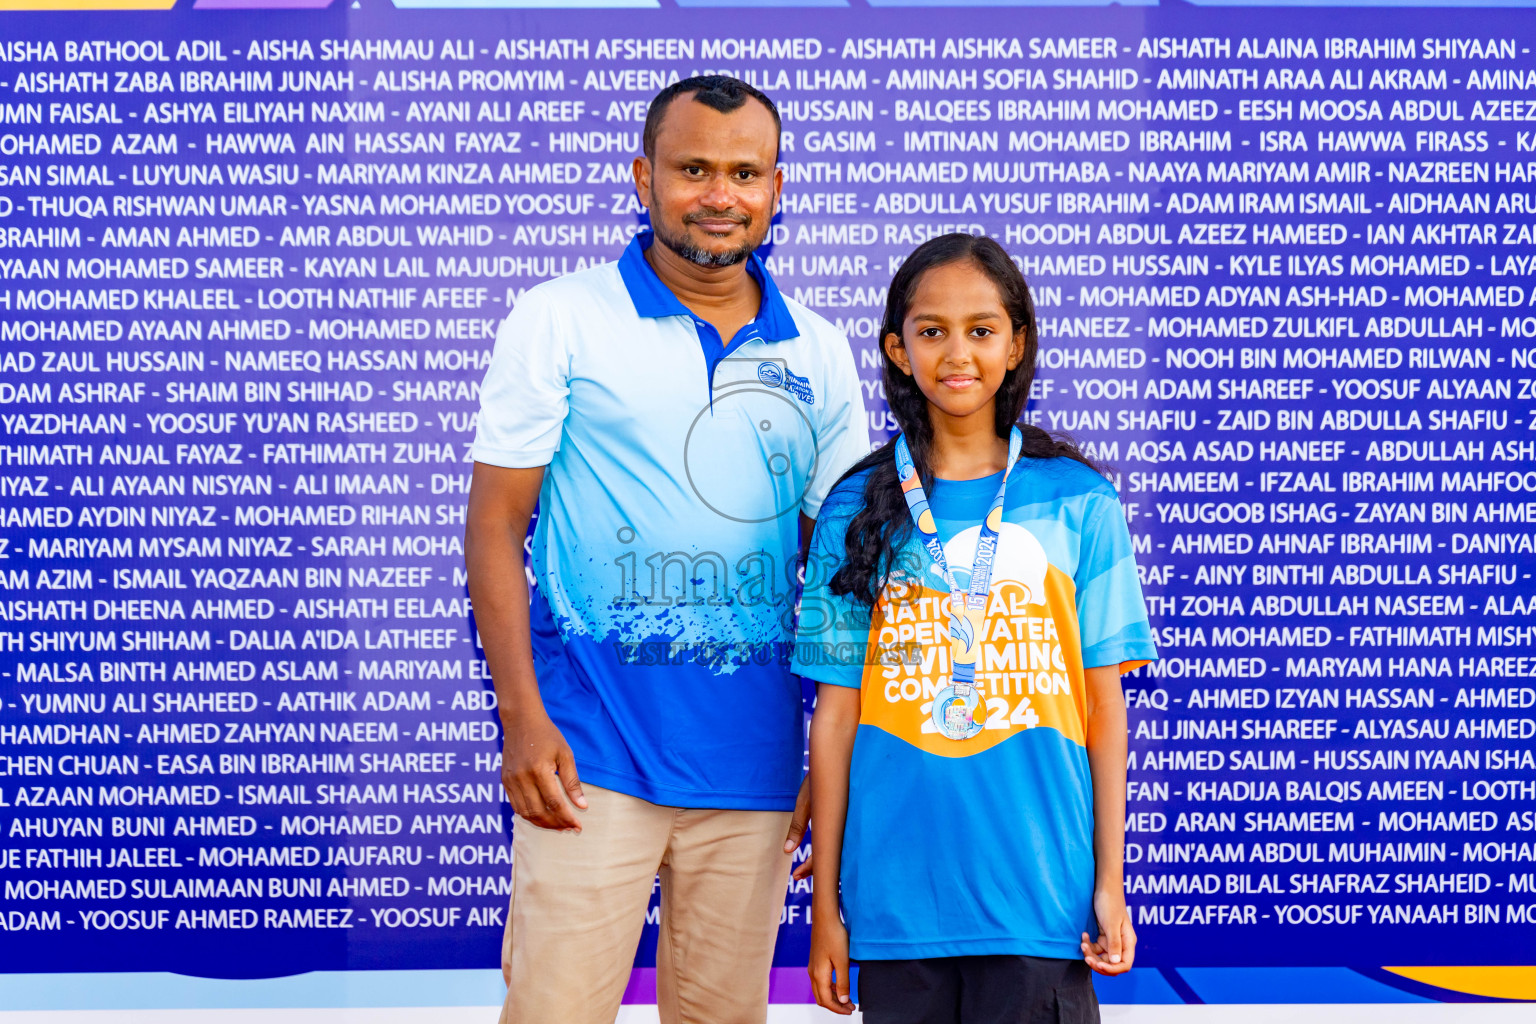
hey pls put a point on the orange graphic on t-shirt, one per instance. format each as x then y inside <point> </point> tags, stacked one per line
<point>1029,672</point>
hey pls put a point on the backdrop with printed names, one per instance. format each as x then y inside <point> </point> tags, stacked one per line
<point>252,262</point>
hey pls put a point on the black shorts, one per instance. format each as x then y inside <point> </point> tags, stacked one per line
<point>977,990</point>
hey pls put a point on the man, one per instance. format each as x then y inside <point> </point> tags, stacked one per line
<point>677,421</point>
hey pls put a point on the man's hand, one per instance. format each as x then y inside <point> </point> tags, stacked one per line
<point>802,817</point>
<point>829,964</point>
<point>538,772</point>
<point>1116,949</point>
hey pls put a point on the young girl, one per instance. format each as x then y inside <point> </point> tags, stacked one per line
<point>968,758</point>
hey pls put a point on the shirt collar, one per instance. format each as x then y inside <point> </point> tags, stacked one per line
<point>652,298</point>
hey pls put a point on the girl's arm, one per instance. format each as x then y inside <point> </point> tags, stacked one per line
<point>1115,949</point>
<point>833,727</point>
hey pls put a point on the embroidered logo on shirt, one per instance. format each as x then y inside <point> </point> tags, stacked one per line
<point>775,376</point>
<point>799,387</point>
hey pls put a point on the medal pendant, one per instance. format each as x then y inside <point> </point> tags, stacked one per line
<point>954,713</point>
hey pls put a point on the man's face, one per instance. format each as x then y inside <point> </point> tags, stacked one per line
<point>712,187</point>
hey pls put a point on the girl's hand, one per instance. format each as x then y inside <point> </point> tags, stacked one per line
<point>1116,949</point>
<point>829,954</point>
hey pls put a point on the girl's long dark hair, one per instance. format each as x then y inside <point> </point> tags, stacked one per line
<point>882,526</point>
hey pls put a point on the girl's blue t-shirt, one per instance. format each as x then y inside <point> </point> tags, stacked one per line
<point>980,846</point>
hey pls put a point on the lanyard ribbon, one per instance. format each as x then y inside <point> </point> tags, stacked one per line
<point>967,607</point>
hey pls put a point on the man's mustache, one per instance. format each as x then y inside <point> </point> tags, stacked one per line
<point>708,214</point>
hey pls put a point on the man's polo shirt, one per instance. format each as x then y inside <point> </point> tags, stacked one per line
<point>667,539</point>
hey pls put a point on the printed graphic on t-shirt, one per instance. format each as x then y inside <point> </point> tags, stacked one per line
<point>1029,664</point>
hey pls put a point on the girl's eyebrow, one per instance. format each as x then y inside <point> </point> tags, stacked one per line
<point>985,315</point>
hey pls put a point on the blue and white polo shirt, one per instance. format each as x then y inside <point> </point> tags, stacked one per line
<point>665,551</point>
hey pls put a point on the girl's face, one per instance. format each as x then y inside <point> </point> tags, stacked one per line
<point>957,342</point>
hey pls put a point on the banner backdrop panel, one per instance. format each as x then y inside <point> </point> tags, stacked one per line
<point>252,260</point>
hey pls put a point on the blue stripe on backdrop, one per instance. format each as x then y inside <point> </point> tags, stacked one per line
<point>1142,985</point>
<point>762,3</point>
<point>1360,3</point>
<point>1291,985</point>
<point>520,4</point>
<point>1012,3</point>
<point>320,989</point>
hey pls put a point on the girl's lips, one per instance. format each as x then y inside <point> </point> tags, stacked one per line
<point>957,383</point>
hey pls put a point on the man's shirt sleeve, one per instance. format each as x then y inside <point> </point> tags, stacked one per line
<point>843,436</point>
<point>523,400</point>
<point>1111,614</point>
<point>833,633</point>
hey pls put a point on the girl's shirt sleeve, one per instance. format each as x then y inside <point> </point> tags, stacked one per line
<point>1111,614</point>
<point>833,632</point>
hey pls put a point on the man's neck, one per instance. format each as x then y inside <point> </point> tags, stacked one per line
<point>966,448</point>
<point>704,289</point>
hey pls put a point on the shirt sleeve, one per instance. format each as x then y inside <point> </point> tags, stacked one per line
<point>1111,614</point>
<point>843,436</point>
<point>833,632</point>
<point>523,399</point>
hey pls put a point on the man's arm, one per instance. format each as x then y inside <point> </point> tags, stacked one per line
<point>802,816</point>
<point>537,768</point>
<point>1115,949</point>
<point>842,432</point>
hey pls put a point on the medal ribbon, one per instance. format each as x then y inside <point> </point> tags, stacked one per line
<point>967,608</point>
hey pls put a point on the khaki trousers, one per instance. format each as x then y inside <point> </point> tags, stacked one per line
<point>579,904</point>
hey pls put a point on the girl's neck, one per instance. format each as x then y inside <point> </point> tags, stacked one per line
<point>966,447</point>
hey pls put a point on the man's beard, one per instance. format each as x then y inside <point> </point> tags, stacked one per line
<point>703,257</point>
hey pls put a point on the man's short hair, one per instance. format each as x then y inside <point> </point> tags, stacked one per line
<point>718,92</point>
